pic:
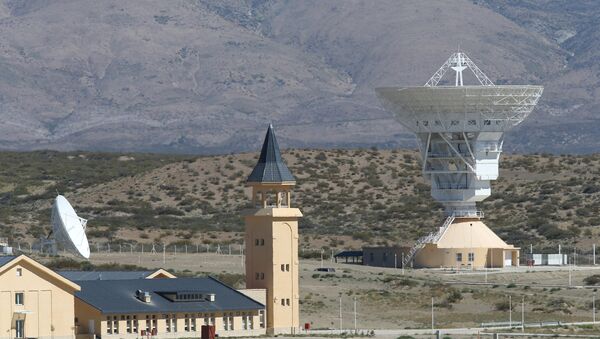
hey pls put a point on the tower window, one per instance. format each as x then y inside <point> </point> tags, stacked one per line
<point>19,299</point>
<point>19,272</point>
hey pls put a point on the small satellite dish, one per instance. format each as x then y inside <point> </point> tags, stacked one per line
<point>69,229</point>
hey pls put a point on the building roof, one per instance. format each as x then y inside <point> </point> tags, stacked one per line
<point>104,275</point>
<point>270,168</point>
<point>471,234</point>
<point>6,259</point>
<point>119,296</point>
<point>345,254</point>
<point>7,262</point>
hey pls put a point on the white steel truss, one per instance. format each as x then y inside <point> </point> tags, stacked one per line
<point>459,61</point>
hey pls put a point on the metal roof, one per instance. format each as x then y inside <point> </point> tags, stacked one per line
<point>104,275</point>
<point>119,296</point>
<point>270,167</point>
<point>345,254</point>
<point>6,259</point>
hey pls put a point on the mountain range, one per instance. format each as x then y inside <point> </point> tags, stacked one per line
<point>207,76</point>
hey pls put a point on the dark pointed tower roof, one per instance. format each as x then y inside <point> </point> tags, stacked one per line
<point>270,168</point>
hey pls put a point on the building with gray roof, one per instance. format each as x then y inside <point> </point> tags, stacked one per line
<point>165,308</point>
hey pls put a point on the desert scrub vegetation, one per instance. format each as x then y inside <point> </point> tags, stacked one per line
<point>373,196</point>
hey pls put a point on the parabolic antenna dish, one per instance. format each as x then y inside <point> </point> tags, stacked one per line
<point>460,108</point>
<point>69,229</point>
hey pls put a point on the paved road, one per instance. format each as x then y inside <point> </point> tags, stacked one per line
<point>395,333</point>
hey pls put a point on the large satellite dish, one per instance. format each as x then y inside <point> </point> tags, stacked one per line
<point>69,229</point>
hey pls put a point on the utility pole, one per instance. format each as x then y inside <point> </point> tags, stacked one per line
<point>594,254</point>
<point>570,267</point>
<point>322,250</point>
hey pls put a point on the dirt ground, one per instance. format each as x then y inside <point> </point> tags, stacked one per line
<point>388,299</point>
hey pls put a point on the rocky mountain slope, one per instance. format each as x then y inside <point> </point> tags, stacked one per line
<point>207,75</point>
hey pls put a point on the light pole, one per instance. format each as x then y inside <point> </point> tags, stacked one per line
<point>355,327</point>
<point>570,279</point>
<point>322,250</point>
<point>402,263</point>
<point>594,307</point>
<point>523,314</point>
<point>341,315</point>
<point>510,311</point>
<point>432,319</point>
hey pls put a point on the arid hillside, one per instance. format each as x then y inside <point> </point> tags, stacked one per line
<point>203,76</point>
<point>348,197</point>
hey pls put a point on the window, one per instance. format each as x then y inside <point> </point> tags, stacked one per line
<point>282,302</point>
<point>19,272</point>
<point>186,323</point>
<point>471,257</point>
<point>231,321</point>
<point>261,318</point>
<point>256,242</point>
<point>225,322</point>
<point>170,323</point>
<point>148,323</point>
<point>206,320</point>
<point>108,325</point>
<point>20,328</point>
<point>244,321</point>
<point>257,275</point>
<point>115,325</point>
<point>193,324</point>
<point>128,325</point>
<point>458,256</point>
<point>154,323</point>
<point>262,276</point>
<point>282,268</point>
<point>250,322</point>
<point>135,324</point>
<point>19,299</point>
<point>287,267</point>
<point>262,242</point>
<point>287,302</point>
